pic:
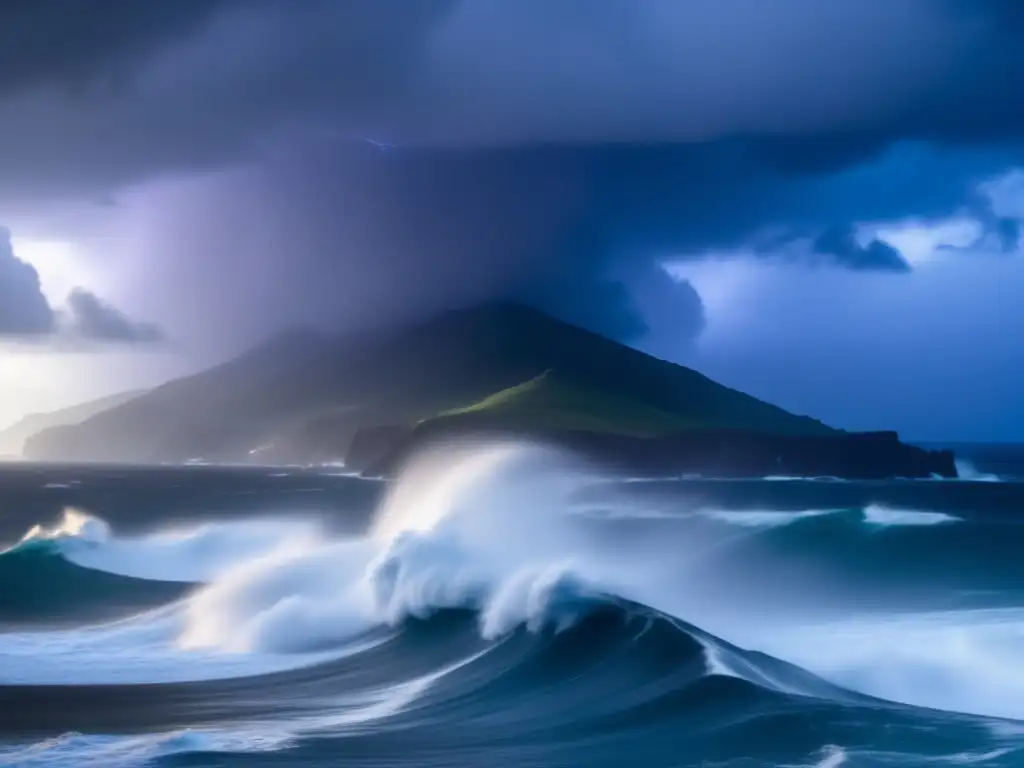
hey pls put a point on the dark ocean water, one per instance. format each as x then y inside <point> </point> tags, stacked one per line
<point>504,606</point>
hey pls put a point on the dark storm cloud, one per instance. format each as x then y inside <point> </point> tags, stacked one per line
<point>196,84</point>
<point>96,320</point>
<point>1008,232</point>
<point>206,91</point>
<point>348,235</point>
<point>344,234</point>
<point>841,243</point>
<point>579,231</point>
<point>549,150</point>
<point>72,43</point>
<point>25,312</point>
<point>672,311</point>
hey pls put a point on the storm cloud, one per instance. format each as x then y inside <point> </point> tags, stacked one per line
<point>208,78</point>
<point>95,319</point>
<point>346,234</point>
<point>26,313</point>
<point>350,160</point>
<point>24,310</point>
<point>70,43</point>
<point>841,243</point>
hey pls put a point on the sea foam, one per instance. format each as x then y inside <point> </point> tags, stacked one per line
<point>191,555</point>
<point>876,514</point>
<point>489,529</point>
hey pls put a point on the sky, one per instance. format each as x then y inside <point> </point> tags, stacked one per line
<point>817,203</point>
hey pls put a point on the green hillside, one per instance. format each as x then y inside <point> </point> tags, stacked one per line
<point>555,402</point>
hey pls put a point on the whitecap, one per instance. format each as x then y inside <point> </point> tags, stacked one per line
<point>194,554</point>
<point>763,518</point>
<point>101,751</point>
<point>876,514</point>
<point>963,661</point>
<point>966,470</point>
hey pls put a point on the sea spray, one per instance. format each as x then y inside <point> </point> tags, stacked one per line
<point>74,524</point>
<point>966,470</point>
<point>876,514</point>
<point>458,530</point>
<point>489,529</point>
<point>188,555</point>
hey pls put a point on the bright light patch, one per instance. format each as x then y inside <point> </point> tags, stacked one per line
<point>715,278</point>
<point>721,280</point>
<point>920,242</point>
<point>59,264</point>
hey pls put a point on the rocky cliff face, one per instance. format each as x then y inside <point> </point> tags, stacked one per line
<point>711,453</point>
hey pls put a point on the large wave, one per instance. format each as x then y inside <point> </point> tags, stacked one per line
<point>78,569</point>
<point>487,529</point>
<point>492,573</point>
<point>618,680</point>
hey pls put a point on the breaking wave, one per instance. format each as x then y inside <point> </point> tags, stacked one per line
<point>482,608</point>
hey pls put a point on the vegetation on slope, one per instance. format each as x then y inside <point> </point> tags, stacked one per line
<point>499,346</point>
<point>553,401</point>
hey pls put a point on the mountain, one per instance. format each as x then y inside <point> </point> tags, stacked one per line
<point>12,439</point>
<point>499,367</point>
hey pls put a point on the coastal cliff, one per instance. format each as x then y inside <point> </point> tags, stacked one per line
<point>381,451</point>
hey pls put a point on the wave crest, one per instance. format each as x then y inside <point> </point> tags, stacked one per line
<point>74,525</point>
<point>192,555</point>
<point>495,534</point>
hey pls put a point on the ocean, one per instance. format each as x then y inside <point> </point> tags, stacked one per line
<point>507,605</point>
